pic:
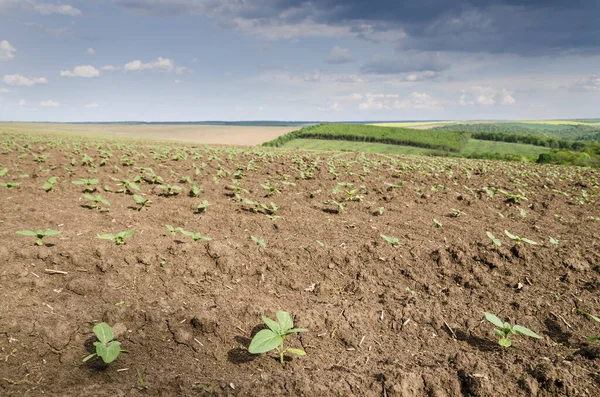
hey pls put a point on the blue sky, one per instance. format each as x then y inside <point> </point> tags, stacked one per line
<point>180,60</point>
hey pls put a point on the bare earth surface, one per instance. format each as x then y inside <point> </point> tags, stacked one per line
<point>383,320</point>
<point>209,134</point>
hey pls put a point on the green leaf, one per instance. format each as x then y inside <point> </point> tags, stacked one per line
<point>110,352</point>
<point>272,325</point>
<point>51,232</point>
<point>493,319</point>
<point>525,331</point>
<point>285,321</point>
<point>526,240</point>
<point>104,333</point>
<point>510,236</point>
<point>128,233</point>
<point>505,342</point>
<point>499,333</point>
<point>266,340</point>
<point>494,239</point>
<point>27,233</point>
<point>297,352</point>
<point>89,357</point>
<point>106,236</point>
<point>89,197</point>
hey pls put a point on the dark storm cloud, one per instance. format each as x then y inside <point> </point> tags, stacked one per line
<point>534,27</point>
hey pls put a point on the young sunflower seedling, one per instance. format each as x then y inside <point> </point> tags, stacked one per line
<point>340,206</point>
<point>49,184</point>
<point>506,330</point>
<point>10,185</point>
<point>596,319</point>
<point>272,338</point>
<point>38,234</point>
<point>119,238</point>
<point>195,236</point>
<point>203,206</point>
<point>172,229</point>
<point>88,183</point>
<point>96,200</point>
<point>107,348</point>
<point>456,213</point>
<point>495,241</point>
<point>196,190</point>
<point>259,241</point>
<point>142,202</point>
<point>127,186</point>
<point>437,223</point>
<point>170,190</point>
<point>518,239</point>
<point>392,240</point>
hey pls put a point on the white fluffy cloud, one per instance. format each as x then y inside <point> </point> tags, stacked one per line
<point>414,101</point>
<point>485,96</point>
<point>91,51</point>
<point>85,71</point>
<point>48,9</point>
<point>7,51</point>
<point>161,64</point>
<point>18,80</point>
<point>591,83</point>
<point>339,55</point>
<point>49,104</point>
<point>110,68</point>
<point>418,101</point>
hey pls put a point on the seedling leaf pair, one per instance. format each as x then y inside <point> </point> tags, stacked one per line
<point>506,330</point>
<point>106,348</point>
<point>38,234</point>
<point>118,238</point>
<point>272,338</point>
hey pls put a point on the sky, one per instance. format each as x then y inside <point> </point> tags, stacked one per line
<point>326,60</point>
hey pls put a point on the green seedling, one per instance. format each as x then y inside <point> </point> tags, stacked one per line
<point>96,200</point>
<point>118,238</point>
<point>596,319</point>
<point>514,198</point>
<point>128,186</point>
<point>88,183</point>
<point>49,184</point>
<point>195,236</point>
<point>107,348</point>
<point>170,190</point>
<point>142,202</point>
<point>203,206</point>
<point>142,382</point>
<point>456,213</point>
<point>10,185</point>
<point>3,171</point>
<point>272,338</point>
<point>172,229</point>
<point>259,242</point>
<point>196,190</point>
<point>38,234</point>
<point>554,241</point>
<point>495,241</point>
<point>270,189</point>
<point>518,239</point>
<point>340,206</point>
<point>437,223</point>
<point>506,330</point>
<point>392,240</point>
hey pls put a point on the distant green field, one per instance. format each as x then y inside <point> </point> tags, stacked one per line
<point>473,145</point>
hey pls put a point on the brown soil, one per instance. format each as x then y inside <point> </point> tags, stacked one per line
<point>383,321</point>
<point>208,134</point>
